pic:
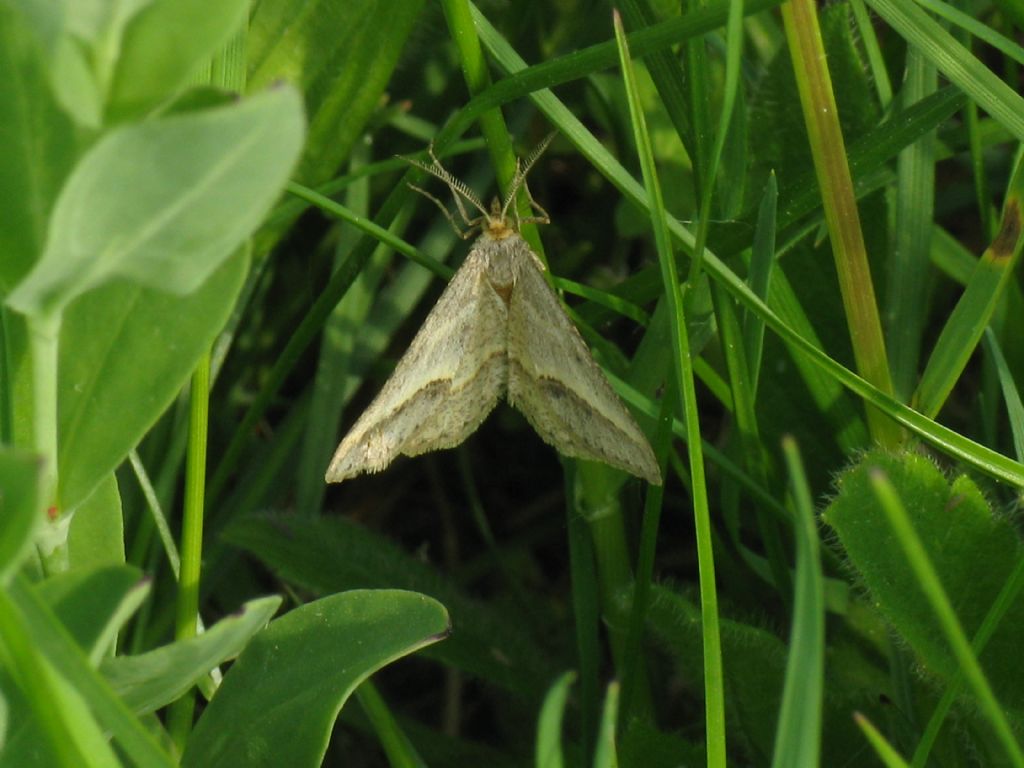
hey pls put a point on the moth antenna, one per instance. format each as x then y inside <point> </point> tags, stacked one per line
<point>519,180</point>
<point>457,188</point>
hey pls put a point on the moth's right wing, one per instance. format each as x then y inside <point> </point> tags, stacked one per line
<point>444,386</point>
<point>563,393</point>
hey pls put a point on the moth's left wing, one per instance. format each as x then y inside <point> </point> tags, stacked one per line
<point>445,384</point>
<point>554,381</point>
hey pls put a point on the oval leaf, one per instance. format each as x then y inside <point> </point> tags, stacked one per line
<point>125,353</point>
<point>163,203</point>
<point>278,703</point>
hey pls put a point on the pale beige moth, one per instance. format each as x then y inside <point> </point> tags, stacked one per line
<point>498,330</point>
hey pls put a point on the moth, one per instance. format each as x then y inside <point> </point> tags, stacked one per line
<point>498,330</point>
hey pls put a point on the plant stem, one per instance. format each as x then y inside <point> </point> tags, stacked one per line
<point>180,716</point>
<point>44,346</point>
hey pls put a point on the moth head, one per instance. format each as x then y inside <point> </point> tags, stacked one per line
<point>496,222</point>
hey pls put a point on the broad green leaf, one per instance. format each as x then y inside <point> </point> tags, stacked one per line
<point>125,353</point>
<point>278,703</point>
<point>77,742</point>
<point>56,649</point>
<point>333,554</point>
<point>71,74</point>
<point>99,22</point>
<point>20,510</point>
<point>164,202</point>
<point>972,549</point>
<point>150,680</point>
<point>96,532</point>
<point>340,54</point>
<point>164,45</point>
<point>94,604</point>
<point>37,150</point>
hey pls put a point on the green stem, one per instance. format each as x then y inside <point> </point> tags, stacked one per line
<point>180,716</point>
<point>492,124</point>
<point>586,615</point>
<point>44,345</point>
<point>396,745</point>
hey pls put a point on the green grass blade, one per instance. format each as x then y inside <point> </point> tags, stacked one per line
<point>883,748</point>
<point>954,61</point>
<point>835,181</point>
<point>973,311</point>
<point>762,259</point>
<point>548,751</point>
<point>1011,394</point>
<point>714,702</point>
<point>51,639</point>
<point>798,737</point>
<point>975,28</point>
<point>605,756</point>
<point>906,298</point>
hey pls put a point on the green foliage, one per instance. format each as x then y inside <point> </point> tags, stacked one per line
<point>973,549</point>
<point>279,703</point>
<point>167,294</point>
<point>331,555</point>
<point>125,352</point>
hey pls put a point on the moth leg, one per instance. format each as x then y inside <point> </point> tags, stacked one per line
<point>457,188</point>
<point>471,224</point>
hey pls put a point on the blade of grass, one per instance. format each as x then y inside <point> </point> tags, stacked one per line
<point>879,72</point>
<point>798,734</point>
<point>906,308</point>
<point>396,745</point>
<point>955,62</point>
<point>762,259</point>
<point>71,734</point>
<point>709,171</point>
<point>1011,395</point>
<point>605,755</point>
<point>548,750</point>
<point>335,354</point>
<point>751,445</point>
<point>828,149</point>
<point>883,748</point>
<point>714,694</point>
<point>931,585</point>
<point>645,561</point>
<point>966,323</point>
<point>667,76</point>
<point>976,28</point>
<point>587,616</point>
<point>1004,600</point>
<point>179,718</point>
